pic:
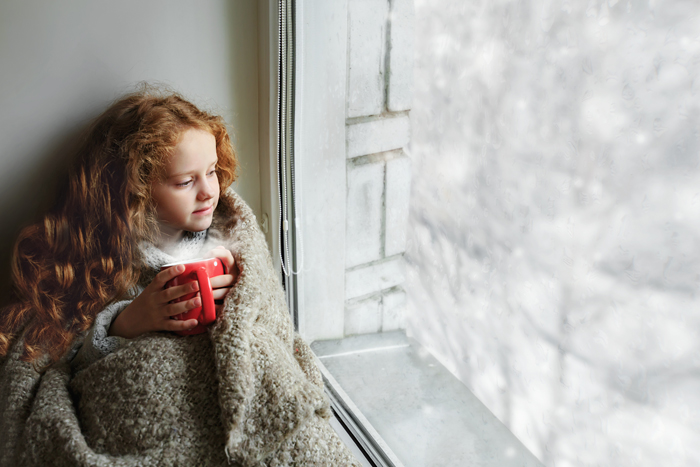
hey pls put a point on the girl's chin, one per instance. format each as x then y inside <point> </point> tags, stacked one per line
<point>201,225</point>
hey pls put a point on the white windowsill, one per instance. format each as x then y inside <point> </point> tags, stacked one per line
<point>423,413</point>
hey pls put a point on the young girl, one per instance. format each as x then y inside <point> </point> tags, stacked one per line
<point>149,188</point>
<point>147,181</point>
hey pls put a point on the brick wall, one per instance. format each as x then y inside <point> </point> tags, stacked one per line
<point>379,87</point>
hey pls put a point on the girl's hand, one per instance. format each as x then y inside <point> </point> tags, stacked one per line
<point>151,310</point>
<point>221,285</point>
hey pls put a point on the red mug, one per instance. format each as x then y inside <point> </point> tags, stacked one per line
<point>199,270</point>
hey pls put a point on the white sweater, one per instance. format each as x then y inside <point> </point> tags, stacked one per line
<point>98,343</point>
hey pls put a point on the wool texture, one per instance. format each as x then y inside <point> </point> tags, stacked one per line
<point>246,393</point>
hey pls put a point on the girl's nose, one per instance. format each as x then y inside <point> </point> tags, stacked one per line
<point>207,189</point>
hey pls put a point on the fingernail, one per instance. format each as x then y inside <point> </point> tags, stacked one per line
<point>179,268</point>
<point>197,302</point>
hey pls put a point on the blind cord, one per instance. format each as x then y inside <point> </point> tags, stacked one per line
<point>285,107</point>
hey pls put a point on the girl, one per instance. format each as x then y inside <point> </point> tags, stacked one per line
<point>148,188</point>
<point>148,178</point>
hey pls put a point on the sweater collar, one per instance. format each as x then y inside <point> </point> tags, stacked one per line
<point>188,248</point>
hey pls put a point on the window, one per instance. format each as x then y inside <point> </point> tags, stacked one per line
<point>353,186</point>
<point>549,262</point>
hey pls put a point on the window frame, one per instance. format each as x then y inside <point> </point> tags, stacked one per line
<point>314,150</point>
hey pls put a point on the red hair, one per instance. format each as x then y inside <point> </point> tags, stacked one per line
<point>84,253</point>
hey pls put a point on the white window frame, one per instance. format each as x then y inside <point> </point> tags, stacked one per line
<point>319,148</point>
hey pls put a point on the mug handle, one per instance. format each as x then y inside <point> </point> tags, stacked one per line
<point>208,310</point>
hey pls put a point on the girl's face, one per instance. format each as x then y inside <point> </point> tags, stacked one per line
<point>186,199</point>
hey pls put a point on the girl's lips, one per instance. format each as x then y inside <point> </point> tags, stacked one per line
<point>205,211</point>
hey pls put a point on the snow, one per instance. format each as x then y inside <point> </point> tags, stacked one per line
<point>555,223</point>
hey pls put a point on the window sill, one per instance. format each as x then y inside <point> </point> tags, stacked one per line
<point>419,409</point>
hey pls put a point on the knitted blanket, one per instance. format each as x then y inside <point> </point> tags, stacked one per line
<point>245,393</point>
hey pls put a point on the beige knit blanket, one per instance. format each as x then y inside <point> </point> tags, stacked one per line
<point>245,393</point>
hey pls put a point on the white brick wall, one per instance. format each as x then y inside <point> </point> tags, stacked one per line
<point>379,92</point>
<point>393,310</point>
<point>400,69</point>
<point>356,69</point>
<point>364,316</point>
<point>378,135</point>
<point>363,240</point>
<point>366,56</point>
<point>366,280</point>
<point>398,193</point>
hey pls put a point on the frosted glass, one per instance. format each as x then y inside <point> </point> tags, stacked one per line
<point>555,220</point>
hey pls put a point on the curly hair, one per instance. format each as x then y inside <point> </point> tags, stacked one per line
<point>84,253</point>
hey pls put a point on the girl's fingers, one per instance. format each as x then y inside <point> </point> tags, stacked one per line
<point>220,293</point>
<point>171,293</point>
<point>178,325</point>
<point>165,275</point>
<point>181,307</point>
<point>223,254</point>
<point>221,285</point>
<point>225,280</point>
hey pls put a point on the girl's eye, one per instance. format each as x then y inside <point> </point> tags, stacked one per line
<point>183,184</point>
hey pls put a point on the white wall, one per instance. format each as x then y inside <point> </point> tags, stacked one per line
<point>353,187</point>
<point>63,62</point>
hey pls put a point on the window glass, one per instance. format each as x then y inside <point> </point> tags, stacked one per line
<point>554,222</point>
